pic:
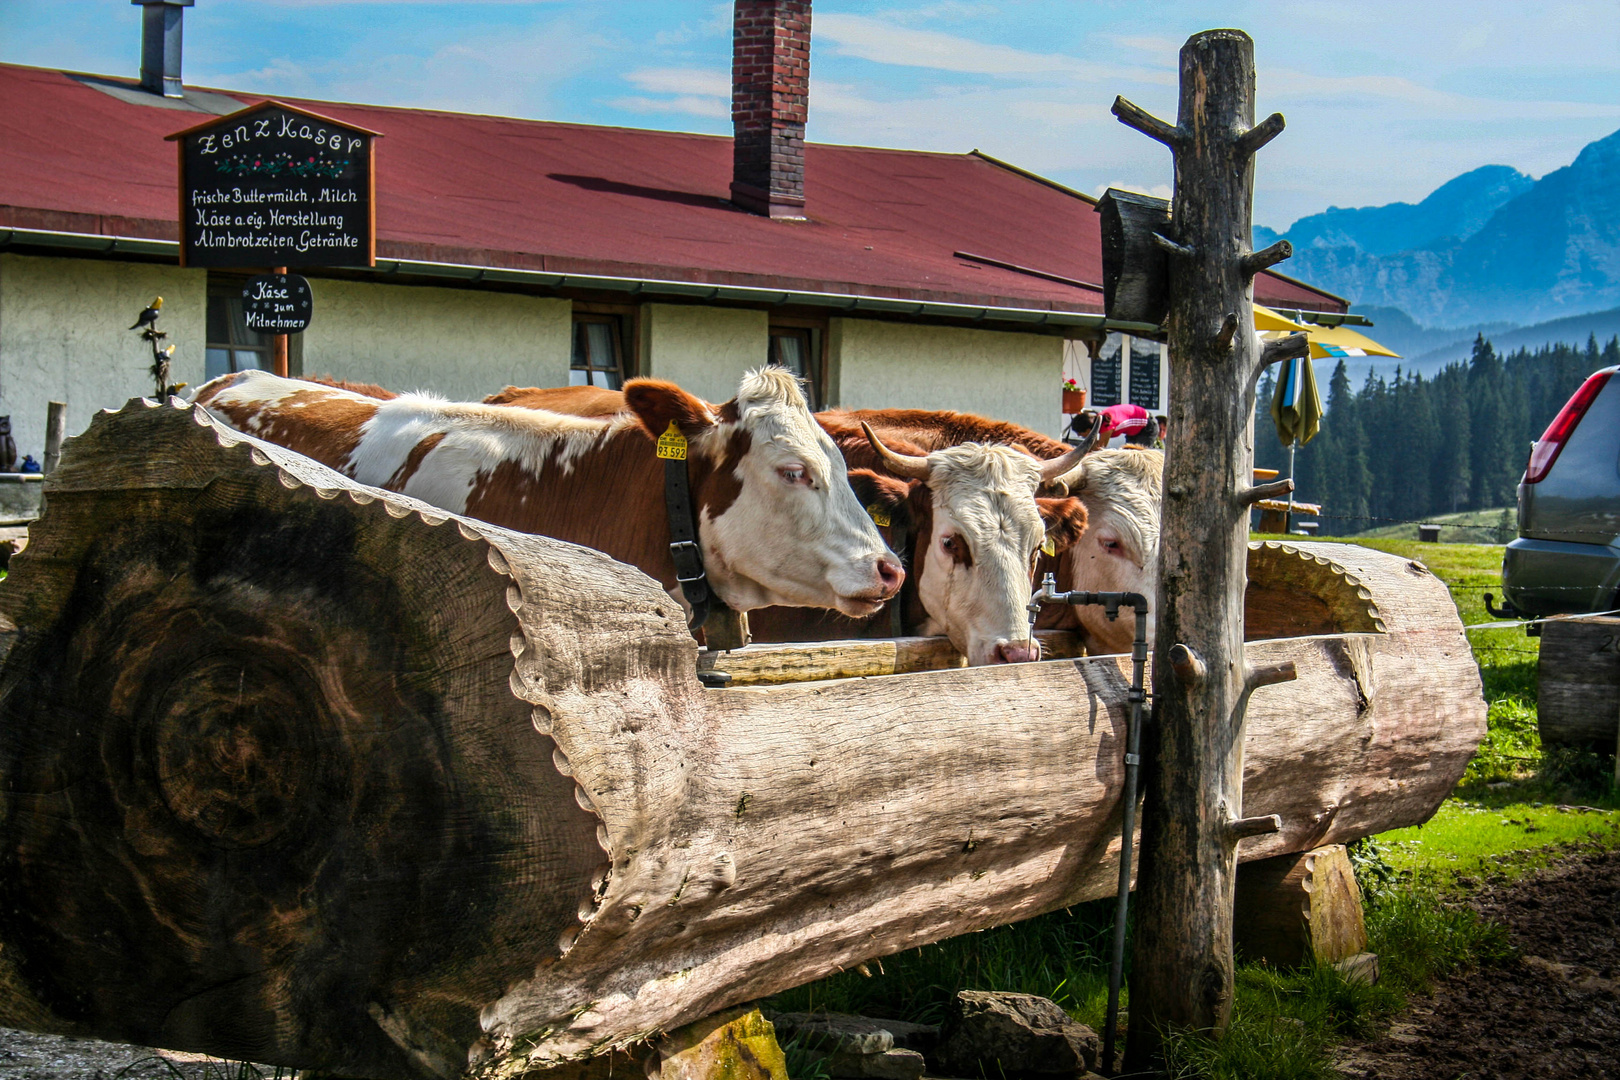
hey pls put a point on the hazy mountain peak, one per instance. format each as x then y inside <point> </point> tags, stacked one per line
<point>1455,210</point>
<point>1490,245</point>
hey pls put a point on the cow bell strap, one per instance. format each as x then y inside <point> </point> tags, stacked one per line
<point>684,551</point>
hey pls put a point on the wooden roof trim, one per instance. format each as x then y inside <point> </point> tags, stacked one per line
<point>269,103</point>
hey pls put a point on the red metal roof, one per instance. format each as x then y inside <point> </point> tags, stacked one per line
<point>577,199</point>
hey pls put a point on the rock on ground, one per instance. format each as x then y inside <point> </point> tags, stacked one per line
<point>1012,1035</point>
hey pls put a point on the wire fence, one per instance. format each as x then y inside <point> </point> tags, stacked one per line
<point>1498,533</point>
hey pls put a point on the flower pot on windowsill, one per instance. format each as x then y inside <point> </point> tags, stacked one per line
<point>1074,401</point>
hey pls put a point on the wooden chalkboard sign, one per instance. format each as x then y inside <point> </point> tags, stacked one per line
<point>277,304</point>
<point>1144,377</point>
<point>1105,380</point>
<point>275,185</point>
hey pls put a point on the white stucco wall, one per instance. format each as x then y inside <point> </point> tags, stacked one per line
<point>456,342</point>
<point>63,337</point>
<point>704,350</point>
<point>1002,375</point>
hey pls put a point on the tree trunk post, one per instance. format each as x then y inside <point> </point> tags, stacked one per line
<point>1193,816</point>
<point>55,428</point>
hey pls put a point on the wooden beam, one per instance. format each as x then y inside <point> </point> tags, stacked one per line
<point>766,665</point>
<point>1579,678</point>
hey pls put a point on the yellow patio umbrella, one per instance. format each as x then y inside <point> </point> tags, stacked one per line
<point>1342,341</point>
<point>1268,321</point>
<point>1326,341</point>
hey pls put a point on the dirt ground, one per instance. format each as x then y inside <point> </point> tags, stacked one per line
<point>1553,1013</point>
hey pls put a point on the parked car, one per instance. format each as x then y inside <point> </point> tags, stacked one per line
<point>1567,555</point>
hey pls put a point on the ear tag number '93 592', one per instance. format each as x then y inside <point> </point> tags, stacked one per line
<point>880,516</point>
<point>672,444</point>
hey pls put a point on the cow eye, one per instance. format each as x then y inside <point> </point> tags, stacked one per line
<point>794,474</point>
<point>1110,545</point>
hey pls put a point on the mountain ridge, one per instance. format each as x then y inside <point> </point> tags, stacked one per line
<point>1489,246</point>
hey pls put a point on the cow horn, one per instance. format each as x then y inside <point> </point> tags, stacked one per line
<point>1058,467</point>
<point>1058,472</point>
<point>905,466</point>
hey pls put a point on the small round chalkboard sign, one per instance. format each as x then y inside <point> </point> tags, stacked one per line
<point>277,303</point>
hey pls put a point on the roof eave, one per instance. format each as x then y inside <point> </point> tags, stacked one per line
<point>858,303</point>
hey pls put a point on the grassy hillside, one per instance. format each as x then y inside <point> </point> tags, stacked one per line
<point>1476,527</point>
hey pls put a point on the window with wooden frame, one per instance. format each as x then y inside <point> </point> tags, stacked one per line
<point>797,347</point>
<point>231,346</point>
<point>600,356</point>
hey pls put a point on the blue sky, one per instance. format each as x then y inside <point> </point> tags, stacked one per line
<point>1385,100</point>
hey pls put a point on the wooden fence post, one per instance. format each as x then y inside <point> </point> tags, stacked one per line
<point>1193,815</point>
<point>55,427</point>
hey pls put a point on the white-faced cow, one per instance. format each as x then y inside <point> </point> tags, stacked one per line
<point>1121,490</point>
<point>975,528</point>
<point>776,519</point>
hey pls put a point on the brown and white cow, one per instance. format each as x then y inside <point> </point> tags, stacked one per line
<point>1121,490</point>
<point>979,530</point>
<point>976,528</point>
<point>777,520</point>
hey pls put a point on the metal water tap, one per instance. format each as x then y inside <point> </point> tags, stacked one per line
<point>1044,595</point>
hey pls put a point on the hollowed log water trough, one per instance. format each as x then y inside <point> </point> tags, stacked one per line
<point>301,772</point>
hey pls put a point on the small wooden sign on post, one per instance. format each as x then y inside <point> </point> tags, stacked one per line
<point>277,186</point>
<point>278,303</point>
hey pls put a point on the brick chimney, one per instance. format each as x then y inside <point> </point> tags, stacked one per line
<point>161,22</point>
<point>770,93</point>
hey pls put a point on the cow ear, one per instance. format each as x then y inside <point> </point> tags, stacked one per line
<point>1065,521</point>
<point>658,403</point>
<point>887,495</point>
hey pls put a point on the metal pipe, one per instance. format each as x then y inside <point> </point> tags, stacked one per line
<point>1111,602</point>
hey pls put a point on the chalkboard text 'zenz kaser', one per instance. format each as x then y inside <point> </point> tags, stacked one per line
<point>275,186</point>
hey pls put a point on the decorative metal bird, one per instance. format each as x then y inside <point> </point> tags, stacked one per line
<point>160,368</point>
<point>149,316</point>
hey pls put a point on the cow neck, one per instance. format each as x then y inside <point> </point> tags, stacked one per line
<point>685,550</point>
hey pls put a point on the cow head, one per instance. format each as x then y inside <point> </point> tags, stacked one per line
<point>986,530</point>
<point>1122,491</point>
<point>777,519</point>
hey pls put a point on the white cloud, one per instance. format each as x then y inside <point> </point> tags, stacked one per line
<point>697,81</point>
<point>887,43</point>
<point>508,74</point>
<point>1374,91</point>
<point>413,3</point>
<point>691,106</point>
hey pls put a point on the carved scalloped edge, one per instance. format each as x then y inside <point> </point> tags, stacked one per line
<point>263,454</point>
<point>1339,570</point>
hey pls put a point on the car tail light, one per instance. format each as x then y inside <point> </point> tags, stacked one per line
<point>1545,451</point>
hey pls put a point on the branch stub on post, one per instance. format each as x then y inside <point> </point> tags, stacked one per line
<point>1134,116</point>
<point>1263,132</point>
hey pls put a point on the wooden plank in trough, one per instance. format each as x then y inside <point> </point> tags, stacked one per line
<point>758,665</point>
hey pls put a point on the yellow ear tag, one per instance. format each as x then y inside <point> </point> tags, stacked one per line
<point>672,444</point>
<point>1048,547</point>
<point>880,516</point>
